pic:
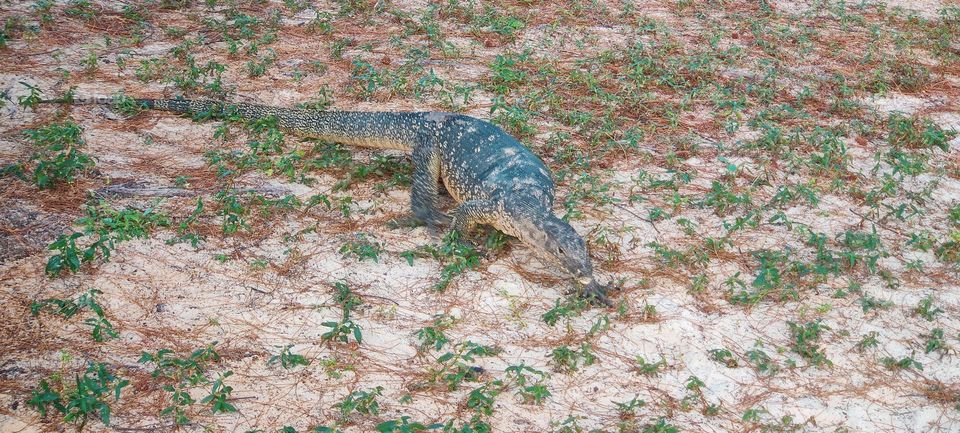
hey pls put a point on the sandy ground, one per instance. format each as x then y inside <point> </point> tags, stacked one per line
<point>260,290</point>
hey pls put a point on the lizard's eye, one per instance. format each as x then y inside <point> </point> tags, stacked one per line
<point>560,251</point>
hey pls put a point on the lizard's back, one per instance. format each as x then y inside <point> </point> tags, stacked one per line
<point>479,161</point>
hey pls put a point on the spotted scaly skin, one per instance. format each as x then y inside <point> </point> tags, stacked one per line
<point>494,178</point>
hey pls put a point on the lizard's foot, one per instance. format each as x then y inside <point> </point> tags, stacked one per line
<point>470,243</point>
<point>439,219</point>
<point>595,293</point>
<point>406,221</point>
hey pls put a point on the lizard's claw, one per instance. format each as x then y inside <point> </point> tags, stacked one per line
<point>406,221</point>
<point>595,293</point>
<point>434,222</point>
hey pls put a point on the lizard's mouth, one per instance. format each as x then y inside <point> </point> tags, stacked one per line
<point>584,279</point>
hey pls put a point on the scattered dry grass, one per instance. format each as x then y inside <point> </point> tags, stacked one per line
<point>729,163</point>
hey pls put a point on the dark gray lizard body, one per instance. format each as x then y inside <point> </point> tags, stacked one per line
<point>493,177</point>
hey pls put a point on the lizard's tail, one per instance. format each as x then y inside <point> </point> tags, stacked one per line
<point>78,100</point>
<point>190,106</point>
<point>381,130</point>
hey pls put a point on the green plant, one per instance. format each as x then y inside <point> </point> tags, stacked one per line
<point>869,340</point>
<point>323,101</point>
<point>649,368</point>
<point>949,251</point>
<point>126,105</point>
<point>570,360</point>
<point>629,408</point>
<point>81,8</point>
<point>724,357</point>
<point>935,341</point>
<point>953,215</point>
<point>90,62</point>
<point>32,98</point>
<point>259,67</point>
<point>186,227</point>
<point>87,397</point>
<point>362,402</point>
<point>362,247</point>
<point>57,157</point>
<point>569,425</point>
<point>805,342</point>
<point>433,336</point>
<point>454,368</point>
<point>367,79</point>
<point>916,133</point>
<point>904,363</point>
<point>110,227</point>
<point>233,211</point>
<point>568,309</point>
<point>531,387</point>
<point>403,425</point>
<point>926,309</point>
<point>457,256</point>
<point>660,426</point>
<point>288,359</point>
<point>483,398</point>
<point>179,375</point>
<point>102,328</point>
<point>868,303</point>
<point>343,329</point>
<point>762,362</point>
<point>219,394</point>
<point>43,10</point>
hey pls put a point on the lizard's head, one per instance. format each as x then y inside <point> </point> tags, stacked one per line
<point>555,238</point>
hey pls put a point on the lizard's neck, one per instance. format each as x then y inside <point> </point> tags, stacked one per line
<point>522,211</point>
<point>529,201</point>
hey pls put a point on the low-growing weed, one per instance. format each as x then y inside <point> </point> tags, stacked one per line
<point>530,382</point>
<point>343,329</point>
<point>762,362</point>
<point>868,341</point>
<point>569,360</point>
<point>568,309</point>
<point>126,105</point>
<point>433,336</point>
<point>362,246</point>
<point>926,309</point>
<point>404,425</point>
<point>646,368</point>
<point>457,257</point>
<point>32,98</point>
<point>180,375</point>
<point>905,363</point>
<point>219,394</point>
<point>288,359</point>
<point>102,229</point>
<point>362,402</point>
<point>86,397</point>
<point>916,133</point>
<point>454,366</point>
<point>67,308</point>
<point>57,158</point>
<point>724,357</point>
<point>805,342</point>
<point>936,342</point>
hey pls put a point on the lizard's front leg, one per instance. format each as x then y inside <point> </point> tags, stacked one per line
<point>471,213</point>
<point>596,293</point>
